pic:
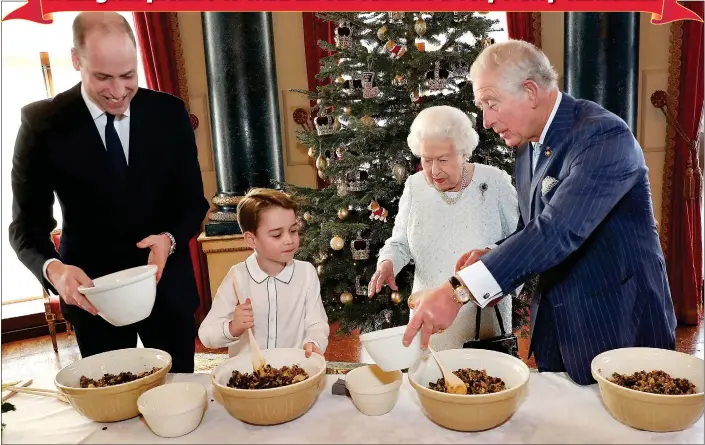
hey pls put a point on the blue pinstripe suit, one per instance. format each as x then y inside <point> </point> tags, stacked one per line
<point>593,241</point>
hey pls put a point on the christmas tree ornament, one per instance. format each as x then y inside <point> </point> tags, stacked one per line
<point>396,16</point>
<point>337,243</point>
<point>360,287</point>
<point>487,42</point>
<point>357,182</point>
<point>320,269</point>
<point>395,50</point>
<point>322,175</point>
<point>399,172</point>
<point>382,32</point>
<point>460,69</point>
<point>396,297</point>
<point>437,78</point>
<point>307,216</point>
<point>343,35</point>
<point>421,46</point>
<point>360,248</point>
<point>342,187</point>
<point>369,121</point>
<point>311,152</point>
<point>301,117</point>
<point>325,123</point>
<point>321,162</point>
<point>340,151</point>
<point>399,80</point>
<point>378,212</point>
<point>347,110</point>
<point>416,98</point>
<point>340,80</point>
<point>369,89</point>
<point>342,213</point>
<point>420,27</point>
<point>346,298</point>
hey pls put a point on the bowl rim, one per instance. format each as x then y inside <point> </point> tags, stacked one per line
<point>375,390</point>
<point>601,380</point>
<point>384,333</point>
<point>200,404</point>
<point>312,378</point>
<point>76,390</point>
<point>471,398</point>
<point>149,269</point>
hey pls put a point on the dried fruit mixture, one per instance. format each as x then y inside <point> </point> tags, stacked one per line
<point>112,379</point>
<point>477,382</point>
<point>654,382</point>
<point>268,378</point>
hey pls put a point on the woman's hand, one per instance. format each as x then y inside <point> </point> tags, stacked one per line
<point>383,275</point>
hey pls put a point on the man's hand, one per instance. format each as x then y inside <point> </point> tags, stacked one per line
<point>66,280</point>
<point>469,258</point>
<point>159,246</point>
<point>243,319</point>
<point>383,275</point>
<point>311,347</point>
<point>436,310</point>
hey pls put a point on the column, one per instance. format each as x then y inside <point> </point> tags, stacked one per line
<point>602,60</point>
<point>244,109</point>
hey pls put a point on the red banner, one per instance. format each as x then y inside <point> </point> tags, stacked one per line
<point>663,11</point>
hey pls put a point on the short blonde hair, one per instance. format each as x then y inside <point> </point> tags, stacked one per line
<point>443,122</point>
<point>516,61</point>
<point>258,199</point>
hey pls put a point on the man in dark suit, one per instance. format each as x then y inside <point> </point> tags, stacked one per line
<point>587,226</point>
<point>122,161</point>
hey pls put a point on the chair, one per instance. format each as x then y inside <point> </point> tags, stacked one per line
<point>52,304</point>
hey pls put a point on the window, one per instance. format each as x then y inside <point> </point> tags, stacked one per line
<point>22,83</point>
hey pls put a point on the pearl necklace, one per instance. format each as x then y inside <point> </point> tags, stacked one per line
<point>463,179</point>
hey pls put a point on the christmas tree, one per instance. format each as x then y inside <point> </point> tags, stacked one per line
<point>384,68</point>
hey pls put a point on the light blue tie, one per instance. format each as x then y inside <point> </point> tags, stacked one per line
<point>535,154</point>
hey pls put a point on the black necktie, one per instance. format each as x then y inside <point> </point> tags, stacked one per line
<point>116,155</point>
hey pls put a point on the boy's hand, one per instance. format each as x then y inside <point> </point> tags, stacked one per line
<point>311,347</point>
<point>243,319</point>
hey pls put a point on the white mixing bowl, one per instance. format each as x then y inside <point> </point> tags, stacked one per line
<point>173,409</point>
<point>125,297</point>
<point>388,352</point>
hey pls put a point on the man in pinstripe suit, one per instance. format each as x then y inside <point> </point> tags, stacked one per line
<point>587,226</point>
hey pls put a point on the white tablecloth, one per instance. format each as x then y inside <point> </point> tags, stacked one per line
<point>555,411</point>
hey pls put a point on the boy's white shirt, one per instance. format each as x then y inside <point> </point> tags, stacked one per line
<point>288,311</point>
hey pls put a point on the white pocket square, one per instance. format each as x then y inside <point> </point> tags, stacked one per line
<point>547,185</point>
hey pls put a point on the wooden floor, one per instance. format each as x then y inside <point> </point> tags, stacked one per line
<point>28,358</point>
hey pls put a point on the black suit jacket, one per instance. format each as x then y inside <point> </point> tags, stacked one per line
<point>59,149</point>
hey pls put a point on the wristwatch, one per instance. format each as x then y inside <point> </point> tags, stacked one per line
<point>461,294</point>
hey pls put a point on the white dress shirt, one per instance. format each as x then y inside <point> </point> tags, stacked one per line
<point>477,277</point>
<point>288,311</point>
<point>122,126</point>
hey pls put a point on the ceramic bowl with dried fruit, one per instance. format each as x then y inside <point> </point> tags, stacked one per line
<point>674,381</point>
<point>496,385</point>
<point>105,387</point>
<point>286,390</point>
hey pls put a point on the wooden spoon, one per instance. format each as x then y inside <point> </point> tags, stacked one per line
<point>258,362</point>
<point>39,392</point>
<point>454,385</point>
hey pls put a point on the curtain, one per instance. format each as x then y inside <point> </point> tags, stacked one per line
<point>525,26</point>
<point>681,220</point>
<point>160,46</point>
<point>316,29</point>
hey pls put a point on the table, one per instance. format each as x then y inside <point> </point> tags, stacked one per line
<point>556,410</point>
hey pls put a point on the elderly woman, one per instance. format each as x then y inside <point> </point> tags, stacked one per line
<point>450,207</point>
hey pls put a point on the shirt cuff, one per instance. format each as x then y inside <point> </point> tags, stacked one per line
<point>481,284</point>
<point>44,269</point>
<point>492,246</point>
<point>226,331</point>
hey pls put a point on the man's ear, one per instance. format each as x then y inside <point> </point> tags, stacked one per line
<point>532,91</point>
<point>74,59</point>
<point>250,240</point>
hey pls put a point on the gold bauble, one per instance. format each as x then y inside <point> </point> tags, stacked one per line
<point>420,27</point>
<point>348,111</point>
<point>346,298</point>
<point>307,217</point>
<point>322,175</point>
<point>396,297</point>
<point>342,213</point>
<point>337,243</point>
<point>320,269</point>
<point>381,32</point>
<point>321,162</point>
<point>340,80</point>
<point>399,172</point>
<point>368,121</point>
<point>311,152</point>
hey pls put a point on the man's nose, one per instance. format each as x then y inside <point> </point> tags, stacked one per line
<point>487,119</point>
<point>117,89</point>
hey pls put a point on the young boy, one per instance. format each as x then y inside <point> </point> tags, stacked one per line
<point>283,302</point>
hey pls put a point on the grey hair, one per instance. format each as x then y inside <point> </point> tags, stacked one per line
<point>443,122</point>
<point>516,61</point>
